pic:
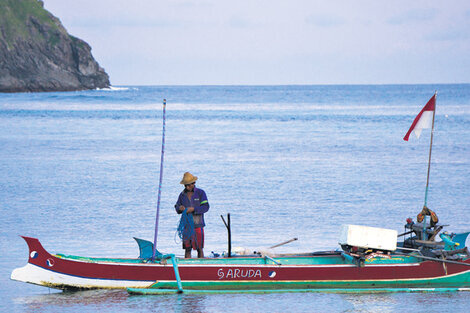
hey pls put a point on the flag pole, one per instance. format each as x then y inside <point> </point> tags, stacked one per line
<point>430,150</point>
<point>425,237</point>
<point>160,184</point>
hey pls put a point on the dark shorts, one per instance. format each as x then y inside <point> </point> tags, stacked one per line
<point>197,241</point>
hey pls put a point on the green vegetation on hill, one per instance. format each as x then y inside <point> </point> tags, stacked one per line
<point>37,53</point>
<point>16,17</point>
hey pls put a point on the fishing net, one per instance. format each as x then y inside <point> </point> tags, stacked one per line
<point>185,229</point>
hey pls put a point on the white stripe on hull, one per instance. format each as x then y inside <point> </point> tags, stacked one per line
<point>39,276</point>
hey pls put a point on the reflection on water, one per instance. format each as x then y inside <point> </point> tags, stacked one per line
<point>409,302</point>
<point>73,299</point>
<point>373,302</point>
<point>119,300</point>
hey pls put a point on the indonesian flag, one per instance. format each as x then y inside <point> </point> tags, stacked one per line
<point>423,120</point>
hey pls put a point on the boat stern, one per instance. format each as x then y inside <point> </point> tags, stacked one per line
<point>33,272</point>
<point>53,271</point>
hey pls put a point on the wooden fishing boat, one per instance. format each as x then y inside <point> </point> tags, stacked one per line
<point>353,269</point>
<point>371,260</point>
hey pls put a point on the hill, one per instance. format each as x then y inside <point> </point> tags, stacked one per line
<point>37,53</point>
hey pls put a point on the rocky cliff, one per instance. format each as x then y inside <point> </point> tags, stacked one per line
<point>37,53</point>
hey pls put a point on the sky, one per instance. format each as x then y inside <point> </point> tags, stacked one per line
<point>273,42</point>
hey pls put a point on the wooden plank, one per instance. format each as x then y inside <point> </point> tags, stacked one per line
<point>427,242</point>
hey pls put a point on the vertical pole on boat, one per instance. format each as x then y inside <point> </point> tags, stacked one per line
<point>425,237</point>
<point>160,183</point>
<point>229,231</point>
<point>430,150</point>
<point>229,236</point>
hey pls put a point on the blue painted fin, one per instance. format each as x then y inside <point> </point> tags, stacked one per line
<point>460,238</point>
<point>146,249</point>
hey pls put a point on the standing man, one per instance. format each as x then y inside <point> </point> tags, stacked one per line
<point>194,200</point>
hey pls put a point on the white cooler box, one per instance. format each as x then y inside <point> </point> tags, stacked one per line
<point>368,237</point>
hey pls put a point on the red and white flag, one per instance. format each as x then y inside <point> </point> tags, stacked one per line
<point>423,120</point>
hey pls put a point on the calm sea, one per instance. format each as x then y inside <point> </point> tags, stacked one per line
<point>79,171</point>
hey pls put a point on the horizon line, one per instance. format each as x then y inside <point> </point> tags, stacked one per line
<point>265,85</point>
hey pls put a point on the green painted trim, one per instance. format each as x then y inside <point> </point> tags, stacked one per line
<point>256,260</point>
<point>460,280</point>
<point>96,260</point>
<point>143,291</point>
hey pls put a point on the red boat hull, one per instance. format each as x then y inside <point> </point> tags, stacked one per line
<point>64,273</point>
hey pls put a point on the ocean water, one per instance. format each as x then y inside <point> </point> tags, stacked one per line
<point>79,171</point>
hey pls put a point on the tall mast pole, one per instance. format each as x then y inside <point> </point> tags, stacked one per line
<point>160,183</point>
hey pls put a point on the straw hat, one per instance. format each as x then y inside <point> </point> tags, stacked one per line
<point>188,178</point>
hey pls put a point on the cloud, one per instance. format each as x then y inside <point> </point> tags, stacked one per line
<point>448,35</point>
<point>413,16</point>
<point>127,22</point>
<point>324,21</point>
<point>240,22</point>
<point>259,42</point>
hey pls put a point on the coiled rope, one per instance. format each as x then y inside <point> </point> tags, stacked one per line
<point>185,227</point>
